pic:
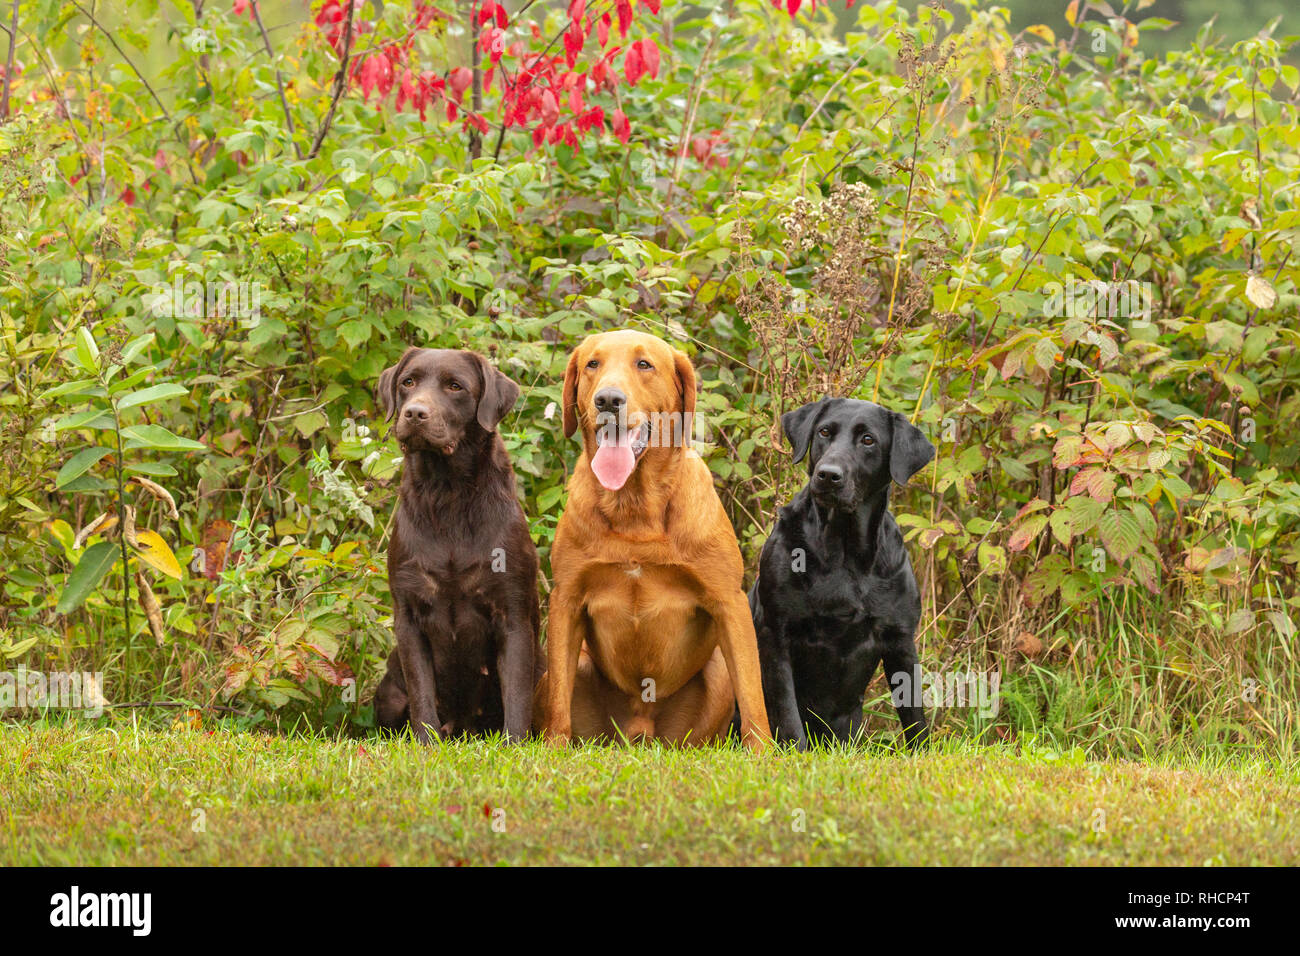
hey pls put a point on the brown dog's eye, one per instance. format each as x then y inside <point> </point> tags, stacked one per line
<point>824,432</point>
<point>408,382</point>
<point>593,364</point>
<point>644,366</point>
<point>454,386</point>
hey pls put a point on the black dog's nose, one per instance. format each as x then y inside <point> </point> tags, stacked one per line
<point>829,474</point>
<point>609,400</point>
<point>416,412</point>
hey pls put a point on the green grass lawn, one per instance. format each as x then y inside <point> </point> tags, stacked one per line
<point>118,793</point>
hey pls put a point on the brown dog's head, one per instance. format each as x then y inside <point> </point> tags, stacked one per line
<point>441,395</point>
<point>630,392</point>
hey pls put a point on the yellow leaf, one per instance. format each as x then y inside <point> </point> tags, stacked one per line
<point>1260,292</point>
<point>999,58</point>
<point>1042,32</point>
<point>156,553</point>
<point>1130,34</point>
<point>1072,12</point>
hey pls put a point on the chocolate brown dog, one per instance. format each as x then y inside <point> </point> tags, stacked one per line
<point>462,567</point>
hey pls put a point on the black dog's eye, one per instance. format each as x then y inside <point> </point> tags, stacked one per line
<point>868,440</point>
<point>644,365</point>
<point>454,386</point>
<point>408,382</point>
<point>824,432</point>
<point>593,364</point>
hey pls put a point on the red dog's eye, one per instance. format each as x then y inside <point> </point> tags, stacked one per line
<point>408,382</point>
<point>644,365</point>
<point>593,364</point>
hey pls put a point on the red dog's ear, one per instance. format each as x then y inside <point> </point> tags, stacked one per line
<point>386,390</point>
<point>570,399</point>
<point>685,381</point>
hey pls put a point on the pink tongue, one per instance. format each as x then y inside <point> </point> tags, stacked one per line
<point>613,463</point>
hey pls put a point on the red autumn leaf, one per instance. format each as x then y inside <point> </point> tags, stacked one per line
<point>624,16</point>
<point>654,5</point>
<point>620,126</point>
<point>550,109</point>
<point>576,10</point>
<point>633,66</point>
<point>602,30</point>
<point>459,80</point>
<point>128,196</point>
<point>574,39</point>
<point>650,56</point>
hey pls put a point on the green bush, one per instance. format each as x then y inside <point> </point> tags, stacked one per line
<point>911,214</point>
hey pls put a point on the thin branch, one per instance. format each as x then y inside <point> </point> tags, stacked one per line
<point>279,82</point>
<point>340,84</point>
<point>9,66</point>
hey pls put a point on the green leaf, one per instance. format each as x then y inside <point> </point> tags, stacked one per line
<point>87,350</point>
<point>155,393</point>
<point>92,567</point>
<point>155,436</point>
<point>79,464</point>
<point>135,347</point>
<point>155,469</point>
<point>84,386</point>
<point>1119,533</point>
<point>90,418</point>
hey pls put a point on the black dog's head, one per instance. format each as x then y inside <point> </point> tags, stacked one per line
<point>440,395</point>
<point>854,448</point>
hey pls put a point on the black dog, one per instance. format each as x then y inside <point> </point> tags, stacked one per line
<point>462,567</point>
<point>835,592</point>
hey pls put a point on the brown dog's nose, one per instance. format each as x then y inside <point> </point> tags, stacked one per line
<point>415,413</point>
<point>609,400</point>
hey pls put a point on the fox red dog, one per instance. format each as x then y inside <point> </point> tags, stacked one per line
<point>650,634</point>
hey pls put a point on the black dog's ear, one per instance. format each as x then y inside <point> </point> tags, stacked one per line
<point>499,395</point>
<point>798,427</point>
<point>910,450</point>
<point>386,390</point>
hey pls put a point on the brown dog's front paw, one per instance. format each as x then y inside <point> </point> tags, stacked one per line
<point>426,734</point>
<point>557,739</point>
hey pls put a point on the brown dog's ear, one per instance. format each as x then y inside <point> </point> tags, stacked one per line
<point>910,450</point>
<point>798,427</point>
<point>570,398</point>
<point>686,382</point>
<point>386,390</point>
<point>499,395</point>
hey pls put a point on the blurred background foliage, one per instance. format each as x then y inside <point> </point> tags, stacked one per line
<point>884,201</point>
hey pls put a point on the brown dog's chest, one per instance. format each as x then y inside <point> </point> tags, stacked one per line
<point>646,623</point>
